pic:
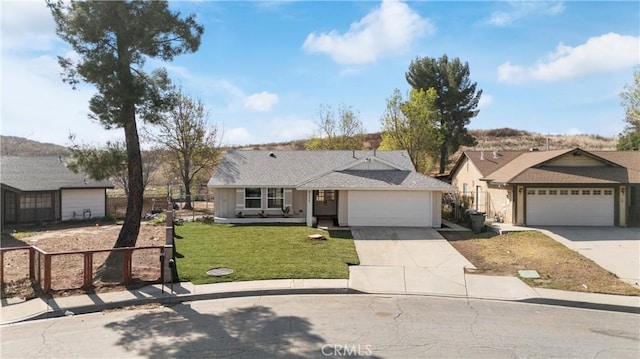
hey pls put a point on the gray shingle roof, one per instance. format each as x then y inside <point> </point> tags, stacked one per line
<point>43,174</point>
<point>240,168</point>
<point>372,179</point>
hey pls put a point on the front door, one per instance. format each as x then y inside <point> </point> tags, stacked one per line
<point>325,203</point>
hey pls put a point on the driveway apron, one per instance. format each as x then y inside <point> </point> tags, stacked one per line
<point>612,248</point>
<point>406,260</point>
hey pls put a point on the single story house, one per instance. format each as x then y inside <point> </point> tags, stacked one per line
<point>567,187</point>
<point>42,189</point>
<point>354,188</point>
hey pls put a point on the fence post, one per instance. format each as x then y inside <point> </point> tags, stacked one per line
<point>1,266</point>
<point>47,273</point>
<point>168,247</point>
<point>32,263</point>
<point>88,271</point>
<point>126,266</point>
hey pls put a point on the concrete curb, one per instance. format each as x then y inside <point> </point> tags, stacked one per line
<point>174,299</point>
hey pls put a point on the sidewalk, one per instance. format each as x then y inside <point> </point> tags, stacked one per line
<point>474,287</point>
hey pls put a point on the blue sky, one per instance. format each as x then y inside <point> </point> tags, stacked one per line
<point>264,68</point>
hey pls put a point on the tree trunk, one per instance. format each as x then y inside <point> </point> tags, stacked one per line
<point>443,158</point>
<point>129,232</point>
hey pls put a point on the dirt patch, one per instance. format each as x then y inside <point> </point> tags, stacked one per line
<point>67,270</point>
<point>558,266</point>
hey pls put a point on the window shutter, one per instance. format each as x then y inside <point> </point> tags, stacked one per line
<point>240,199</point>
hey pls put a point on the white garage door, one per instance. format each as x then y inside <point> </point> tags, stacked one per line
<point>570,207</point>
<point>389,208</point>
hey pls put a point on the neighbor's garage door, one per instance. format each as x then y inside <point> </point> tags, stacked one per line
<point>570,207</point>
<point>389,208</point>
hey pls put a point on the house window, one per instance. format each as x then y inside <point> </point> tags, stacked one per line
<point>465,189</point>
<point>542,192</point>
<point>608,192</point>
<point>553,192</point>
<point>564,192</point>
<point>275,198</point>
<point>252,198</point>
<point>324,196</point>
<point>36,200</point>
<point>575,192</point>
<point>597,192</point>
<point>586,192</point>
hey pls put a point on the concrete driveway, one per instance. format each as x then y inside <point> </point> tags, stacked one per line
<point>615,249</point>
<point>406,260</point>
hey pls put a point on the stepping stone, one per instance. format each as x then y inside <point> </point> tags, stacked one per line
<point>529,274</point>
<point>316,237</point>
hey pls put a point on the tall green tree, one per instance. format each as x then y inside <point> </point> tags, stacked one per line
<point>630,95</point>
<point>456,99</point>
<point>113,39</point>
<point>339,129</point>
<point>411,125</point>
<point>188,140</point>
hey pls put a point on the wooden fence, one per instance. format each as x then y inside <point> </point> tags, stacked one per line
<point>40,265</point>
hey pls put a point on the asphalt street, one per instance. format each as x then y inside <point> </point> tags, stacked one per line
<point>317,326</point>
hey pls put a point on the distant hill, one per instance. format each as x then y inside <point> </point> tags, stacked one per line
<point>20,146</point>
<point>495,139</point>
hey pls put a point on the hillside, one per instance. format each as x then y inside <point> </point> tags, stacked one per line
<point>20,146</point>
<point>496,139</point>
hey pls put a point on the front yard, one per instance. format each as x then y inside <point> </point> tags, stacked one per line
<point>257,252</point>
<point>558,266</point>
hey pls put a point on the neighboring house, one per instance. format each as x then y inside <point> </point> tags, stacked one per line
<point>41,189</point>
<point>354,188</point>
<point>559,187</point>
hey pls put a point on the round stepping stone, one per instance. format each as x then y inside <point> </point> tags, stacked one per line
<point>219,272</point>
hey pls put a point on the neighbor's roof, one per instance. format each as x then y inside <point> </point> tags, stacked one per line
<point>529,168</point>
<point>487,161</point>
<point>519,164</point>
<point>43,174</point>
<point>245,168</point>
<point>375,179</point>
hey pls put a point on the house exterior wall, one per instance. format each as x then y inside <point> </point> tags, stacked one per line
<point>228,202</point>
<point>343,208</point>
<point>500,200</point>
<point>390,208</point>
<point>78,200</point>
<point>436,209</point>
<point>469,174</point>
<point>299,203</point>
<point>570,160</point>
<point>224,202</point>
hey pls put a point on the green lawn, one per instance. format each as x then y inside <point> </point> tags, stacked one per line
<point>258,252</point>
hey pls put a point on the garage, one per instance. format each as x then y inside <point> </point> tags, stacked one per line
<point>570,207</point>
<point>390,208</point>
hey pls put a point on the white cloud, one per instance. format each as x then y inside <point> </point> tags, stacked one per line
<point>27,25</point>
<point>236,136</point>
<point>387,30</point>
<point>574,131</point>
<point>605,53</point>
<point>290,128</point>
<point>521,9</point>
<point>485,101</point>
<point>261,102</point>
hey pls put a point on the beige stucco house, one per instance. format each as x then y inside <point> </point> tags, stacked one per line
<point>352,188</point>
<point>559,187</point>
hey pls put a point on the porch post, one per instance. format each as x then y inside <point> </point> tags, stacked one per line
<point>309,208</point>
